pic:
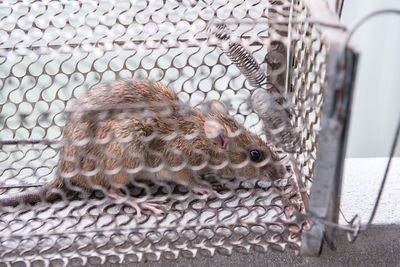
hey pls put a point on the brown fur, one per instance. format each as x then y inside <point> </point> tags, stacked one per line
<point>108,148</point>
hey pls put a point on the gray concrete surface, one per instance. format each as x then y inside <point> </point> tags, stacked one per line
<point>379,246</point>
<point>361,183</point>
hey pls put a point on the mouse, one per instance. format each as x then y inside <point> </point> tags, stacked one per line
<point>136,128</point>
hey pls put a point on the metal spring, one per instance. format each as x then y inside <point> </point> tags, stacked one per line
<point>269,105</point>
<point>239,55</point>
<point>277,124</point>
<point>247,64</point>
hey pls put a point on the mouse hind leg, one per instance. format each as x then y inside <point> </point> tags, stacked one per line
<point>119,181</point>
<point>151,205</point>
<point>122,160</point>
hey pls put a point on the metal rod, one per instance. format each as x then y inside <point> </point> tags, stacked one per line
<point>138,41</point>
<point>20,186</point>
<point>367,17</point>
<point>355,27</point>
<point>28,141</point>
<point>378,198</point>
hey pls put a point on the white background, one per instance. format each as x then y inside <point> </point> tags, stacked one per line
<point>376,105</point>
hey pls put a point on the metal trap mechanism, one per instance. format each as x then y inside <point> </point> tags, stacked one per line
<point>278,67</point>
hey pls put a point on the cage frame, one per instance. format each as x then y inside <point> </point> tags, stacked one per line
<point>325,193</point>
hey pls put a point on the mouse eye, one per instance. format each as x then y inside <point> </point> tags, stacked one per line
<point>255,155</point>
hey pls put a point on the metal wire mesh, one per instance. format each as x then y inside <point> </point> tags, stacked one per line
<point>51,53</point>
<point>308,79</point>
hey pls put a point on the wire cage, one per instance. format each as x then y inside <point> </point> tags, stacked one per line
<point>53,52</point>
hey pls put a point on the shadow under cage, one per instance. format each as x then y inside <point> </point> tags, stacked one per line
<point>53,53</point>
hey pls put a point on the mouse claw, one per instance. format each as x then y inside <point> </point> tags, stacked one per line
<point>156,208</point>
<point>202,190</point>
<point>151,205</point>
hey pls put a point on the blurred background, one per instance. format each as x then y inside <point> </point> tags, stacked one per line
<point>376,101</point>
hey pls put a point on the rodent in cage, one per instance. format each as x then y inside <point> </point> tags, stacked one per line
<point>55,51</point>
<point>160,139</point>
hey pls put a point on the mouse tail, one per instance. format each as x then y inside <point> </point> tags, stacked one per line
<point>48,193</point>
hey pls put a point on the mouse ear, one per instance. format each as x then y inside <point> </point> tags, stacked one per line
<point>214,106</point>
<point>217,132</point>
